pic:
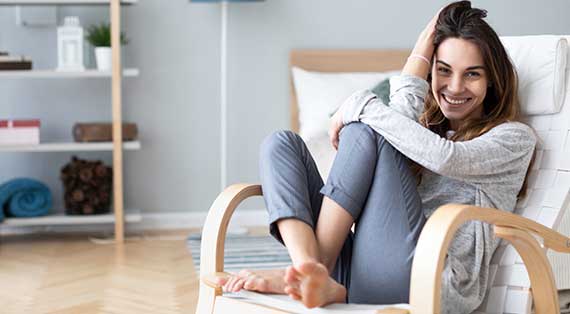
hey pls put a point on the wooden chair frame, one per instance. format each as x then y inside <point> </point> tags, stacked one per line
<point>434,240</point>
<point>428,262</point>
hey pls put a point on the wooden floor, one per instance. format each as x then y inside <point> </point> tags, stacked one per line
<point>71,274</point>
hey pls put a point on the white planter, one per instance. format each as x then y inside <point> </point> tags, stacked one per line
<point>103,58</point>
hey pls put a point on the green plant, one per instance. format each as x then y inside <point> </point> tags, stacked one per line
<point>100,35</point>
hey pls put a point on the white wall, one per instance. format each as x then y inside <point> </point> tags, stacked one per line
<point>175,100</point>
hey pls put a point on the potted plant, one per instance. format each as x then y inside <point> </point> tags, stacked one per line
<point>100,37</point>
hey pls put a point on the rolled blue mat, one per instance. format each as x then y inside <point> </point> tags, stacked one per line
<point>24,197</point>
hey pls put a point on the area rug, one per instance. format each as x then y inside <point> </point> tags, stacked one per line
<point>245,251</point>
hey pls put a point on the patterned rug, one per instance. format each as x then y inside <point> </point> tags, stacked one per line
<point>245,251</point>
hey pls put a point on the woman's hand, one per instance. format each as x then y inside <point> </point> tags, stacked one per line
<point>335,127</point>
<point>424,44</point>
<point>423,47</point>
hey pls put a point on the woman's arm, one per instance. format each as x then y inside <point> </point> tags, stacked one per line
<point>417,65</point>
<point>501,151</point>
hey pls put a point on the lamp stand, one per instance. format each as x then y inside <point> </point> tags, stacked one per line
<point>223,97</point>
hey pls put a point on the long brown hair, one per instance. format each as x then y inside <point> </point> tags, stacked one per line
<point>501,103</point>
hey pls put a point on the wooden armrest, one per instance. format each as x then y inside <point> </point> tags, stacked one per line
<point>216,224</point>
<point>431,250</point>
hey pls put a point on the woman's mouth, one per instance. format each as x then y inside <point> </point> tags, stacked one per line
<point>455,101</point>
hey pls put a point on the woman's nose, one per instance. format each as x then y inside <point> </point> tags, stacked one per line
<point>456,85</point>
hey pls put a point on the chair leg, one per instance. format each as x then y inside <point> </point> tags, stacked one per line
<point>206,299</point>
<point>544,293</point>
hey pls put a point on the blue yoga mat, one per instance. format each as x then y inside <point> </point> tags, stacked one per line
<point>24,197</point>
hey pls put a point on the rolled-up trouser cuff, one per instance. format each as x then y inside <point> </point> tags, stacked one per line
<point>276,215</point>
<point>342,198</point>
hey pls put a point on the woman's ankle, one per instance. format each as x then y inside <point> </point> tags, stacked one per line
<point>329,265</point>
<point>306,259</point>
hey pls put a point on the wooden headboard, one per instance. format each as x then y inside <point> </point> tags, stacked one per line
<point>342,61</point>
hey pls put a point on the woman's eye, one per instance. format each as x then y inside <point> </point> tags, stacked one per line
<point>473,74</point>
<point>443,70</point>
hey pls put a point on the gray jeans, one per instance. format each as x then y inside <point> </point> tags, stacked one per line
<point>373,182</point>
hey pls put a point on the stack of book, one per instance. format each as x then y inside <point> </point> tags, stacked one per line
<point>8,62</point>
<point>20,132</point>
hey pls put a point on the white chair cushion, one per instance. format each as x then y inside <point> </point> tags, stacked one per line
<point>284,302</point>
<point>541,67</point>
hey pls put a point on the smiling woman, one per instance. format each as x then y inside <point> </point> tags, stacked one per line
<point>458,125</point>
<point>459,84</point>
<point>469,62</point>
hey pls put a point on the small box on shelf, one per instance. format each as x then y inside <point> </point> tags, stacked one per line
<point>14,63</point>
<point>102,132</point>
<point>20,132</point>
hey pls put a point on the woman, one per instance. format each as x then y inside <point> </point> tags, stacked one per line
<point>451,136</point>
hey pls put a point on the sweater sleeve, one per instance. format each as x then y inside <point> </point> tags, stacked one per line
<point>405,97</point>
<point>502,150</point>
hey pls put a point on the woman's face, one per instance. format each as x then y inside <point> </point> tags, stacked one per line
<point>459,81</point>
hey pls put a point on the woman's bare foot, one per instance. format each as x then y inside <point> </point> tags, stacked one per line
<point>270,281</point>
<point>311,284</point>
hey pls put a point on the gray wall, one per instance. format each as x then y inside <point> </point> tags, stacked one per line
<point>175,100</point>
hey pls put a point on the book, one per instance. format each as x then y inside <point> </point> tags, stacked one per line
<point>7,58</point>
<point>20,132</point>
<point>15,65</point>
<point>20,123</point>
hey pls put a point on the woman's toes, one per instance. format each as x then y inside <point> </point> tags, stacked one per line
<point>249,284</point>
<point>229,287</point>
<point>227,284</point>
<point>238,285</point>
<point>293,293</point>
<point>291,276</point>
<point>221,281</point>
<point>252,282</point>
<point>292,290</point>
<point>244,273</point>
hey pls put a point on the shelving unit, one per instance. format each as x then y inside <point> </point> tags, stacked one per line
<point>116,146</point>
<point>69,147</point>
<point>43,74</point>
<point>61,219</point>
<point>63,2</point>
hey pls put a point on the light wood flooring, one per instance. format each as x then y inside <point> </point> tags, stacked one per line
<point>150,273</point>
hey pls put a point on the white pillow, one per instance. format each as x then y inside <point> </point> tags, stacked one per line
<point>319,93</point>
<point>541,67</point>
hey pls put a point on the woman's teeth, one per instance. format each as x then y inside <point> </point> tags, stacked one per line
<point>455,102</point>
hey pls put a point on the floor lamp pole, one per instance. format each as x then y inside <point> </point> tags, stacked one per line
<point>223,97</point>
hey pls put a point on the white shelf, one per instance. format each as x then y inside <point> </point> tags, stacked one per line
<point>90,73</point>
<point>69,147</point>
<point>62,2</point>
<point>62,219</point>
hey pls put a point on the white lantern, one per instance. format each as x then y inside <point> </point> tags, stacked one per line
<point>70,45</point>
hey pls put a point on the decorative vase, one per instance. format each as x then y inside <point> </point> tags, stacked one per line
<point>103,57</point>
<point>70,45</point>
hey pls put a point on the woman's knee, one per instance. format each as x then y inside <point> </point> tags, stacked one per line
<point>360,131</point>
<point>277,142</point>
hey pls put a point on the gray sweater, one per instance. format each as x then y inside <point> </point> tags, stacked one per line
<point>487,171</point>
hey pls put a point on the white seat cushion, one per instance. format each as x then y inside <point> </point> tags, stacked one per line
<point>284,302</point>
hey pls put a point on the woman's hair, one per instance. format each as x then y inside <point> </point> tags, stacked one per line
<point>501,104</point>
